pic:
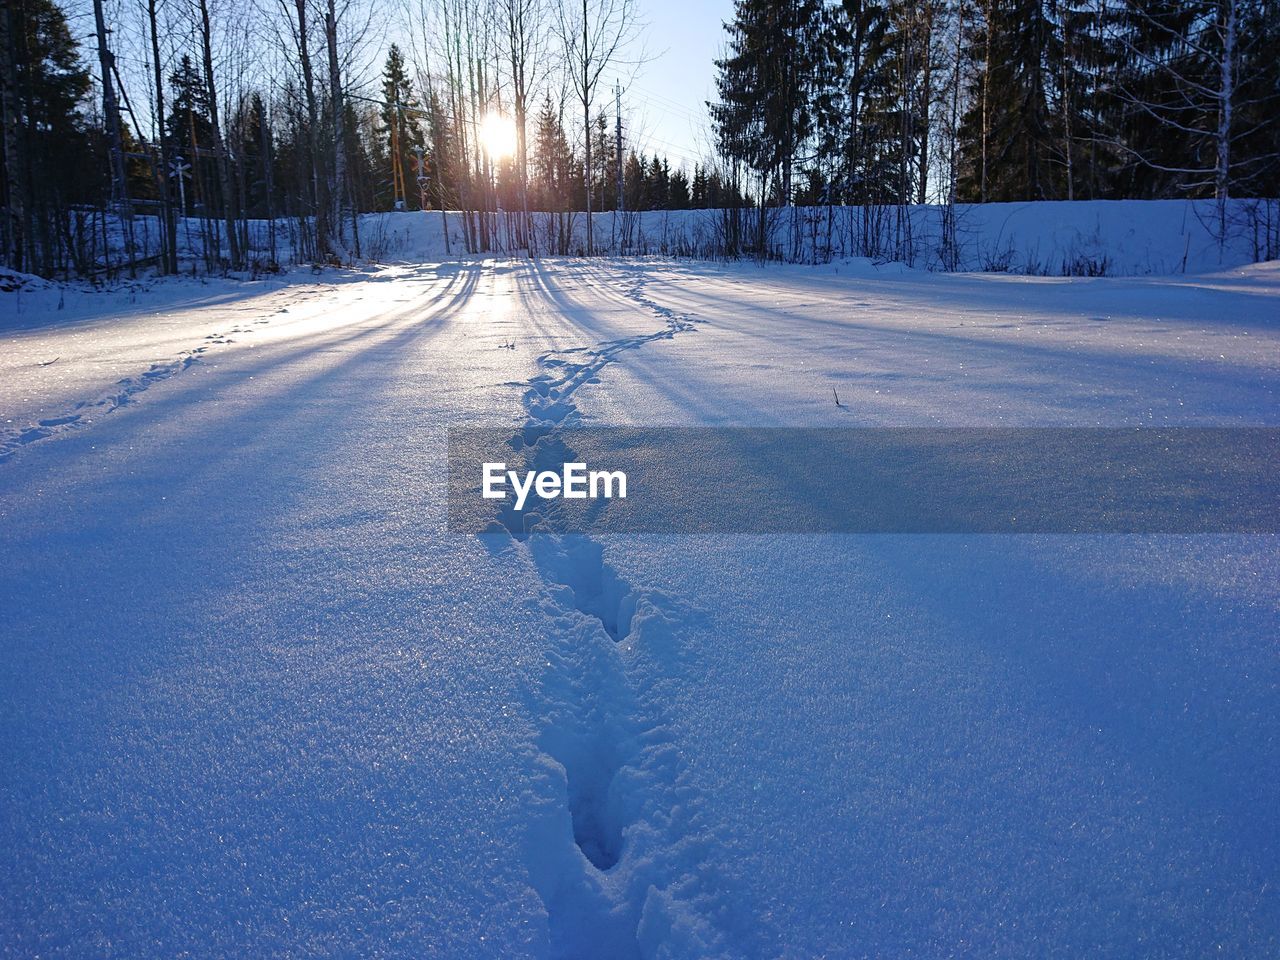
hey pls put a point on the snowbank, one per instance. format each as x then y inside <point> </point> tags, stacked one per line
<point>1053,238</point>
<point>1080,238</point>
<point>11,281</point>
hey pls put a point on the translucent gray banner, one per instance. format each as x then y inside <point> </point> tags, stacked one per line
<point>898,480</point>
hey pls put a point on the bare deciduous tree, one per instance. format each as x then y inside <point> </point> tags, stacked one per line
<point>593,34</point>
<point>522,36</point>
<point>222,157</point>
<point>1198,93</point>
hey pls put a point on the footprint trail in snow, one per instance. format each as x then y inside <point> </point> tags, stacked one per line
<point>631,881</point>
<point>85,412</point>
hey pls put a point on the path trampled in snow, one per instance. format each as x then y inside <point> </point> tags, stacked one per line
<point>258,701</point>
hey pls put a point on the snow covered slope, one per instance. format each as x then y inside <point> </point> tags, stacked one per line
<point>1080,238</point>
<point>1047,238</point>
<point>258,701</point>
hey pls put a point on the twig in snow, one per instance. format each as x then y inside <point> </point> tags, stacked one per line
<point>45,363</point>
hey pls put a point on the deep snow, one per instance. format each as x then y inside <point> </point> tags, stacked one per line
<point>257,701</point>
<point>1071,238</point>
<point>1113,238</point>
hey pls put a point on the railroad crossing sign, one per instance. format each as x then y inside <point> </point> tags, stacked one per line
<point>422,167</point>
<point>180,170</point>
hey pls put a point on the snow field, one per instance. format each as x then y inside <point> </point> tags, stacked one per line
<point>1083,238</point>
<point>633,884</point>
<point>259,702</point>
<point>1053,238</point>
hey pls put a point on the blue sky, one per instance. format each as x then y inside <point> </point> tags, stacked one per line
<point>665,101</point>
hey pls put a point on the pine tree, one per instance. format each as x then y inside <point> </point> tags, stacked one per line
<point>765,112</point>
<point>678,193</point>
<point>1008,133</point>
<point>634,180</point>
<point>51,156</point>
<point>190,130</point>
<point>554,169</point>
<point>402,137</point>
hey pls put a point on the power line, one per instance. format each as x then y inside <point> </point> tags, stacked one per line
<point>672,105</point>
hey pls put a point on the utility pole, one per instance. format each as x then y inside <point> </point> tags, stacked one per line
<point>617,113</point>
<point>111,111</point>
<point>399,195</point>
<point>422,179</point>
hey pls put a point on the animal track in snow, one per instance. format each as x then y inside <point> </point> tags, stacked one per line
<point>86,411</point>
<point>631,811</point>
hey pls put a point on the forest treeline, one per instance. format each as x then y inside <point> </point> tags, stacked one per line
<point>891,103</point>
<point>158,134</point>
<point>1002,100</point>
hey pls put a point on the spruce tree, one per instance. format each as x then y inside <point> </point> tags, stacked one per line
<point>1083,100</point>
<point>698,188</point>
<point>51,156</point>
<point>853,101</point>
<point>438,162</point>
<point>402,137</point>
<point>250,138</point>
<point>554,171</point>
<point>765,112</point>
<point>1008,132</point>
<point>603,154</point>
<point>634,183</point>
<point>190,131</point>
<point>678,191</point>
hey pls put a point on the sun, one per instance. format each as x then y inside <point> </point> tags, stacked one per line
<point>498,135</point>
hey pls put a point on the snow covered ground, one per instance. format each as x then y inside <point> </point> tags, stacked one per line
<point>1067,238</point>
<point>258,701</point>
<point>1114,238</point>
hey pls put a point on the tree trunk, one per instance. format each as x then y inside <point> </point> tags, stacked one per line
<point>586,119</point>
<point>1226,95</point>
<point>930,14</point>
<point>222,158</point>
<point>319,199</point>
<point>12,234</point>
<point>336,186</point>
<point>162,180</point>
<point>111,118</point>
